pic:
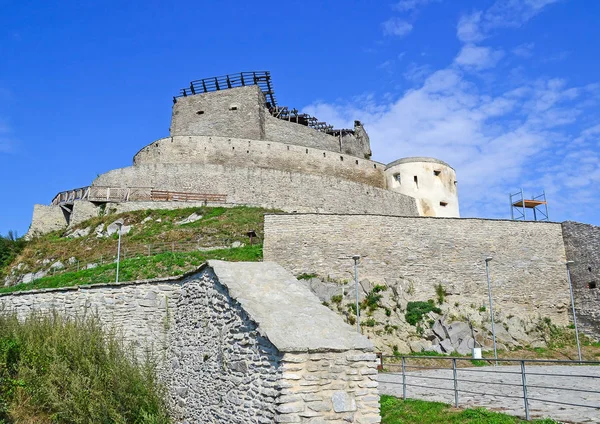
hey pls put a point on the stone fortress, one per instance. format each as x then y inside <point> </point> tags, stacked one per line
<point>230,141</point>
<point>231,144</point>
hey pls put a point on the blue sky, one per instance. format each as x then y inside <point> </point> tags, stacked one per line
<point>506,91</point>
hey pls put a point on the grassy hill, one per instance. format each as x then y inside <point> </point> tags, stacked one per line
<point>158,243</point>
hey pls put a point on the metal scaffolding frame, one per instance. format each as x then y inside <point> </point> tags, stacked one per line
<point>519,205</point>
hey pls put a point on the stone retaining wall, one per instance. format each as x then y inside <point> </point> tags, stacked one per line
<point>416,253</point>
<point>239,343</point>
<point>270,188</point>
<point>582,243</point>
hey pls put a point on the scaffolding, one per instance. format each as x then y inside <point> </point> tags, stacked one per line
<point>519,206</point>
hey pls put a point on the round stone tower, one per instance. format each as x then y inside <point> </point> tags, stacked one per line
<point>431,181</point>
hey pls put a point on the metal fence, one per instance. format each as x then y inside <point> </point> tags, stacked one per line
<point>573,384</point>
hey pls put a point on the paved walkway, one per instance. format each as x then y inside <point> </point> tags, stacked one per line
<point>506,380</point>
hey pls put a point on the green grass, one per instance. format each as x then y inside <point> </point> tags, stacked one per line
<point>412,411</point>
<point>54,370</point>
<point>143,267</point>
<point>217,228</point>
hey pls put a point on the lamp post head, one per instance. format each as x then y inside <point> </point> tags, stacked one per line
<point>570,263</point>
<point>356,257</point>
<point>489,258</point>
<point>119,223</point>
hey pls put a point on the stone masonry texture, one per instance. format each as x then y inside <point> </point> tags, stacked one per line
<point>417,253</point>
<point>286,190</point>
<point>582,243</point>
<point>238,343</point>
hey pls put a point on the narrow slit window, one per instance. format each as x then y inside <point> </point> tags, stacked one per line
<point>397,178</point>
<point>357,162</point>
<point>416,179</point>
<point>437,172</point>
<point>342,158</point>
<point>200,112</point>
<point>444,204</point>
<point>233,108</point>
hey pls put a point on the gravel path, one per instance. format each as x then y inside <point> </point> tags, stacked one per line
<point>486,379</point>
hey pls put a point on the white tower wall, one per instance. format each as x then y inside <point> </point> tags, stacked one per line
<point>431,181</point>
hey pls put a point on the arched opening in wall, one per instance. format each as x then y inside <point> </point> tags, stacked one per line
<point>306,151</point>
<point>397,178</point>
<point>200,112</point>
<point>342,158</point>
<point>592,285</point>
<point>375,165</point>
<point>323,154</point>
<point>416,180</point>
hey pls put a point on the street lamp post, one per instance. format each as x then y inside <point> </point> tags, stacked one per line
<point>487,273</point>
<point>119,224</point>
<point>356,258</point>
<point>573,308</point>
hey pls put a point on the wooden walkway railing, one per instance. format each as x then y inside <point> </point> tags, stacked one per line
<point>132,194</point>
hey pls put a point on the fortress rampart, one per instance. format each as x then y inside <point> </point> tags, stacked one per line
<point>285,190</point>
<point>247,153</point>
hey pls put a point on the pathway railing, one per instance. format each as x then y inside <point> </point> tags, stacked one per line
<point>524,380</point>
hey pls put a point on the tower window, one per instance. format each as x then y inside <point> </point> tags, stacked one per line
<point>233,108</point>
<point>342,158</point>
<point>592,285</point>
<point>444,204</point>
<point>200,112</point>
<point>437,172</point>
<point>397,178</point>
<point>416,179</point>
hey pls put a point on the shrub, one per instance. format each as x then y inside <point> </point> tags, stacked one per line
<point>440,293</point>
<point>10,246</point>
<point>72,371</point>
<point>416,310</point>
<point>336,298</point>
<point>306,276</point>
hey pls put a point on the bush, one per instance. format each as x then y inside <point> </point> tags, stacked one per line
<point>416,310</point>
<point>10,247</point>
<point>72,371</point>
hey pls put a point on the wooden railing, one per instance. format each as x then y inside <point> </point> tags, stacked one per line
<point>136,194</point>
<point>173,196</point>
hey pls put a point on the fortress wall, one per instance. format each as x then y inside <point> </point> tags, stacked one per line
<point>82,211</point>
<point>46,219</point>
<point>216,117</point>
<point>241,113</point>
<point>527,271</point>
<point>262,154</point>
<point>288,191</point>
<point>582,243</point>
<point>289,132</point>
<point>229,353</point>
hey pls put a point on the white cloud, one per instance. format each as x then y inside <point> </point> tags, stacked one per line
<point>397,27</point>
<point>476,26</point>
<point>524,50</point>
<point>478,58</point>
<point>468,29</point>
<point>411,5</point>
<point>496,142</point>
